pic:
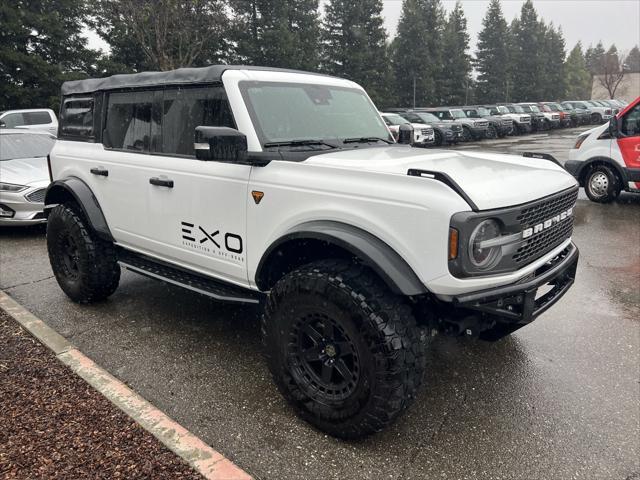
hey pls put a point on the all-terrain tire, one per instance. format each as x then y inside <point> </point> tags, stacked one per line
<point>467,135</point>
<point>343,312</point>
<point>601,184</point>
<point>437,142</point>
<point>596,118</point>
<point>84,265</point>
<point>492,132</point>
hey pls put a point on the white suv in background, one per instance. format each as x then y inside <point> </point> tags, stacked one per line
<point>32,119</point>
<point>423,135</point>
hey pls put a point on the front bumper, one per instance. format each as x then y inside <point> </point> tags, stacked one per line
<point>518,303</point>
<point>16,209</point>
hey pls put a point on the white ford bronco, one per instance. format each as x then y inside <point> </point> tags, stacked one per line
<point>286,189</point>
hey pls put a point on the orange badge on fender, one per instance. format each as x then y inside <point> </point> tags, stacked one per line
<point>257,196</point>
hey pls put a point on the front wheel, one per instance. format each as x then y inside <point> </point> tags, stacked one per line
<point>437,140</point>
<point>342,348</point>
<point>601,185</point>
<point>467,136</point>
<point>84,265</point>
<point>492,133</point>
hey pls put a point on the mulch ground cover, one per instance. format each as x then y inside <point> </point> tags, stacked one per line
<point>53,425</point>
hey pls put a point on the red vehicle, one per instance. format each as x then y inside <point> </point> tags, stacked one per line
<point>552,107</point>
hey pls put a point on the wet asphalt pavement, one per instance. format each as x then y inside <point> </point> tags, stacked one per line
<point>559,399</point>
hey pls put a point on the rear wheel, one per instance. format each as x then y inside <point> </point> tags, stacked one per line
<point>602,185</point>
<point>342,348</point>
<point>596,118</point>
<point>84,265</point>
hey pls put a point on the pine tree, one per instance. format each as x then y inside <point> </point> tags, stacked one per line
<point>417,53</point>
<point>554,54</point>
<point>277,33</point>
<point>594,58</point>
<point>492,56</point>
<point>577,77</point>
<point>41,45</point>
<point>456,64</point>
<point>528,66</point>
<point>354,45</point>
<point>633,60</point>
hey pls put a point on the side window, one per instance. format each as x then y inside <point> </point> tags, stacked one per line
<point>76,118</point>
<point>184,109</point>
<point>631,122</point>
<point>13,120</point>
<point>129,121</point>
<point>36,118</point>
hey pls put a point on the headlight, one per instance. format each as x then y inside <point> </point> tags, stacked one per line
<point>580,141</point>
<point>482,253</point>
<point>11,187</point>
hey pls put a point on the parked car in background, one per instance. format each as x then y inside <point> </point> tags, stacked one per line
<point>605,159</point>
<point>615,107</point>
<point>31,119</point>
<point>555,108</point>
<point>445,131</point>
<point>521,120</point>
<point>598,113</point>
<point>578,116</point>
<point>423,135</point>
<point>541,120</point>
<point>472,129</point>
<point>498,126</point>
<point>24,175</point>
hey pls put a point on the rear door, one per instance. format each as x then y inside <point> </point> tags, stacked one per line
<point>628,143</point>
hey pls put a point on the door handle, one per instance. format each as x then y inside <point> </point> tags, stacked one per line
<point>103,172</point>
<point>161,182</point>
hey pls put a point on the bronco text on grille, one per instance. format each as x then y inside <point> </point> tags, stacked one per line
<point>545,225</point>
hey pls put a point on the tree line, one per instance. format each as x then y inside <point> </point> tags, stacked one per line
<point>428,62</point>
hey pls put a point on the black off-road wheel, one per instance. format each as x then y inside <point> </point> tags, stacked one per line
<point>492,133</point>
<point>596,118</point>
<point>84,265</point>
<point>601,184</point>
<point>437,140</point>
<point>467,136</point>
<point>342,348</point>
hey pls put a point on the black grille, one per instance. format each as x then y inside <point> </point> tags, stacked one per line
<point>545,241</point>
<point>37,196</point>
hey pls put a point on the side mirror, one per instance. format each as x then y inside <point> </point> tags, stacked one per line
<point>614,127</point>
<point>220,143</point>
<point>405,134</point>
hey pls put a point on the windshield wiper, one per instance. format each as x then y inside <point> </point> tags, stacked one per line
<point>297,143</point>
<point>365,140</point>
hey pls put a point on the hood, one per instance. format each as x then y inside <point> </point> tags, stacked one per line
<point>490,180</point>
<point>24,171</point>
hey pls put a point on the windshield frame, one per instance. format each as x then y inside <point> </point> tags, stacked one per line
<point>244,86</point>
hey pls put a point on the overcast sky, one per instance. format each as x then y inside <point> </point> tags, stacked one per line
<point>612,21</point>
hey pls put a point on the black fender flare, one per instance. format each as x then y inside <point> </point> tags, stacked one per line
<point>369,249</point>
<point>607,161</point>
<point>72,187</point>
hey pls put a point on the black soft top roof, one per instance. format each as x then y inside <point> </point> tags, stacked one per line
<point>210,74</point>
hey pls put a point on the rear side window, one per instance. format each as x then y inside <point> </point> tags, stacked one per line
<point>36,118</point>
<point>76,117</point>
<point>129,121</point>
<point>164,121</point>
<point>184,109</point>
<point>13,120</point>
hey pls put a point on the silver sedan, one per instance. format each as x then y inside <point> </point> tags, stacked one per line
<point>24,175</point>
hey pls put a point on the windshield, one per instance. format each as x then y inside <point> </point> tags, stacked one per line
<point>427,117</point>
<point>24,145</point>
<point>516,108</point>
<point>593,104</point>
<point>534,108</point>
<point>483,111</point>
<point>502,109</point>
<point>283,112</point>
<point>472,113</point>
<point>393,119</point>
<point>457,114</point>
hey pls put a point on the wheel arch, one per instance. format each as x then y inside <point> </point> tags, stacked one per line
<point>73,189</point>
<point>316,240</point>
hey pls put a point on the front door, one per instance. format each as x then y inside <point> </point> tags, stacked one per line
<point>629,141</point>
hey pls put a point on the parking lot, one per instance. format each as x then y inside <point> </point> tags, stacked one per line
<point>559,399</point>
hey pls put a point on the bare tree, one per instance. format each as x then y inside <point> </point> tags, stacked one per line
<point>613,71</point>
<point>170,33</point>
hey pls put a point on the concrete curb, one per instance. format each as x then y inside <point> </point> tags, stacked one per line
<point>204,459</point>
